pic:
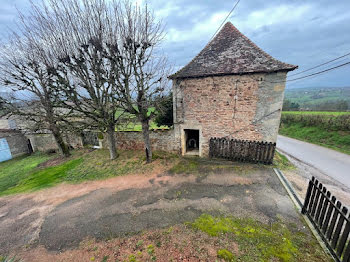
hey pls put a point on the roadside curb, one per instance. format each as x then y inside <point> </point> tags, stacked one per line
<point>298,204</point>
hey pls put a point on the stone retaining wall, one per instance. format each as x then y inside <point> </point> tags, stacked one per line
<point>46,141</point>
<point>163,140</point>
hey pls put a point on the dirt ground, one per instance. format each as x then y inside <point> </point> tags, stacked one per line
<point>48,225</point>
<point>300,176</point>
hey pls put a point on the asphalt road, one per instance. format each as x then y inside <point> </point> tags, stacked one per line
<point>334,164</point>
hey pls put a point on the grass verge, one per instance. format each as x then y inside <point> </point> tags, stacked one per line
<point>337,140</point>
<point>281,162</point>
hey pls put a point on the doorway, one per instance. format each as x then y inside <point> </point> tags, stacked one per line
<point>192,141</point>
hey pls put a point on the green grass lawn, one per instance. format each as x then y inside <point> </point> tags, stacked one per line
<point>25,174</point>
<point>315,113</point>
<point>337,140</point>
<point>15,170</point>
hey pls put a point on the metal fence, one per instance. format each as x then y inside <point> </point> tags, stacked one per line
<point>329,218</point>
<point>242,150</point>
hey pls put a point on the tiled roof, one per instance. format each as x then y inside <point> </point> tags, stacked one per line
<point>230,52</point>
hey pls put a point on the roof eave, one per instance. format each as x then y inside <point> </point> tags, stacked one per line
<point>174,76</point>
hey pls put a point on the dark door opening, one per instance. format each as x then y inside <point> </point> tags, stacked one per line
<point>30,148</point>
<point>192,141</point>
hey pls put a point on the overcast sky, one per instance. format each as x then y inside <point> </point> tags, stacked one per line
<point>304,33</point>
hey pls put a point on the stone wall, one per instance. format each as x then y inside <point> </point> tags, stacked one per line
<point>240,107</point>
<point>46,141</point>
<point>16,141</point>
<point>160,140</point>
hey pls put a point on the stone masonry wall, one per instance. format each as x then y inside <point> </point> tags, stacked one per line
<point>16,141</point>
<point>160,140</point>
<point>46,141</point>
<point>240,107</point>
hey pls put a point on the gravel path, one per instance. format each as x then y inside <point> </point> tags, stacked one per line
<point>119,208</point>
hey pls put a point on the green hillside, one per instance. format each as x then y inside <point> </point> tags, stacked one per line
<point>319,98</point>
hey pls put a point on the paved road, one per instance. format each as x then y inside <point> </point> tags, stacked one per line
<point>332,163</point>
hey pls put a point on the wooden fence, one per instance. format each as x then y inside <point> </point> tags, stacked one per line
<point>242,150</point>
<point>329,218</point>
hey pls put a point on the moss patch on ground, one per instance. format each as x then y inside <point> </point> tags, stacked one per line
<point>261,242</point>
<point>26,174</point>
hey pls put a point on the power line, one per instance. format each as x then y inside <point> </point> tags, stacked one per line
<point>317,73</point>
<point>233,8</point>
<point>320,65</point>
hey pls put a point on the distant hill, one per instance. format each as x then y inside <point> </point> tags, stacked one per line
<point>314,98</point>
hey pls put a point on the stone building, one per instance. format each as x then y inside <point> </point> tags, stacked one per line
<point>231,89</point>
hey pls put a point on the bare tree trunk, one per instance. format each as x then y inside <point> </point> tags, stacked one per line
<point>62,147</point>
<point>111,142</point>
<point>145,132</point>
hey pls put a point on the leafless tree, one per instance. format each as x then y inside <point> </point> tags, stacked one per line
<point>26,70</point>
<point>141,35</point>
<point>108,59</point>
<point>84,37</point>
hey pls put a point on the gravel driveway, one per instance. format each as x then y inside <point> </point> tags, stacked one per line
<point>130,204</point>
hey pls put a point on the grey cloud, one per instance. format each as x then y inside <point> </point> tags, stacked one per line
<point>319,34</point>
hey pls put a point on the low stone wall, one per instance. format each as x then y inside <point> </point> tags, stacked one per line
<point>163,140</point>
<point>16,141</point>
<point>46,141</point>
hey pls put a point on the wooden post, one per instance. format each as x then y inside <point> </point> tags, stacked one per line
<point>308,195</point>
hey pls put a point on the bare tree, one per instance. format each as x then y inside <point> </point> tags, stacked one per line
<point>27,71</point>
<point>109,59</point>
<point>84,37</point>
<point>141,35</point>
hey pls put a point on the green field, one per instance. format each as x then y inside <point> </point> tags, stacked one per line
<point>130,126</point>
<point>329,129</point>
<point>315,97</point>
<point>315,113</point>
<point>130,123</point>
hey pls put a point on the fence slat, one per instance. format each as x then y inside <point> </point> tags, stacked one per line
<point>329,215</point>
<point>339,227</point>
<point>308,195</point>
<point>333,221</point>
<point>346,256</point>
<point>313,194</point>
<point>320,205</point>
<point>324,209</point>
<point>343,238</point>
